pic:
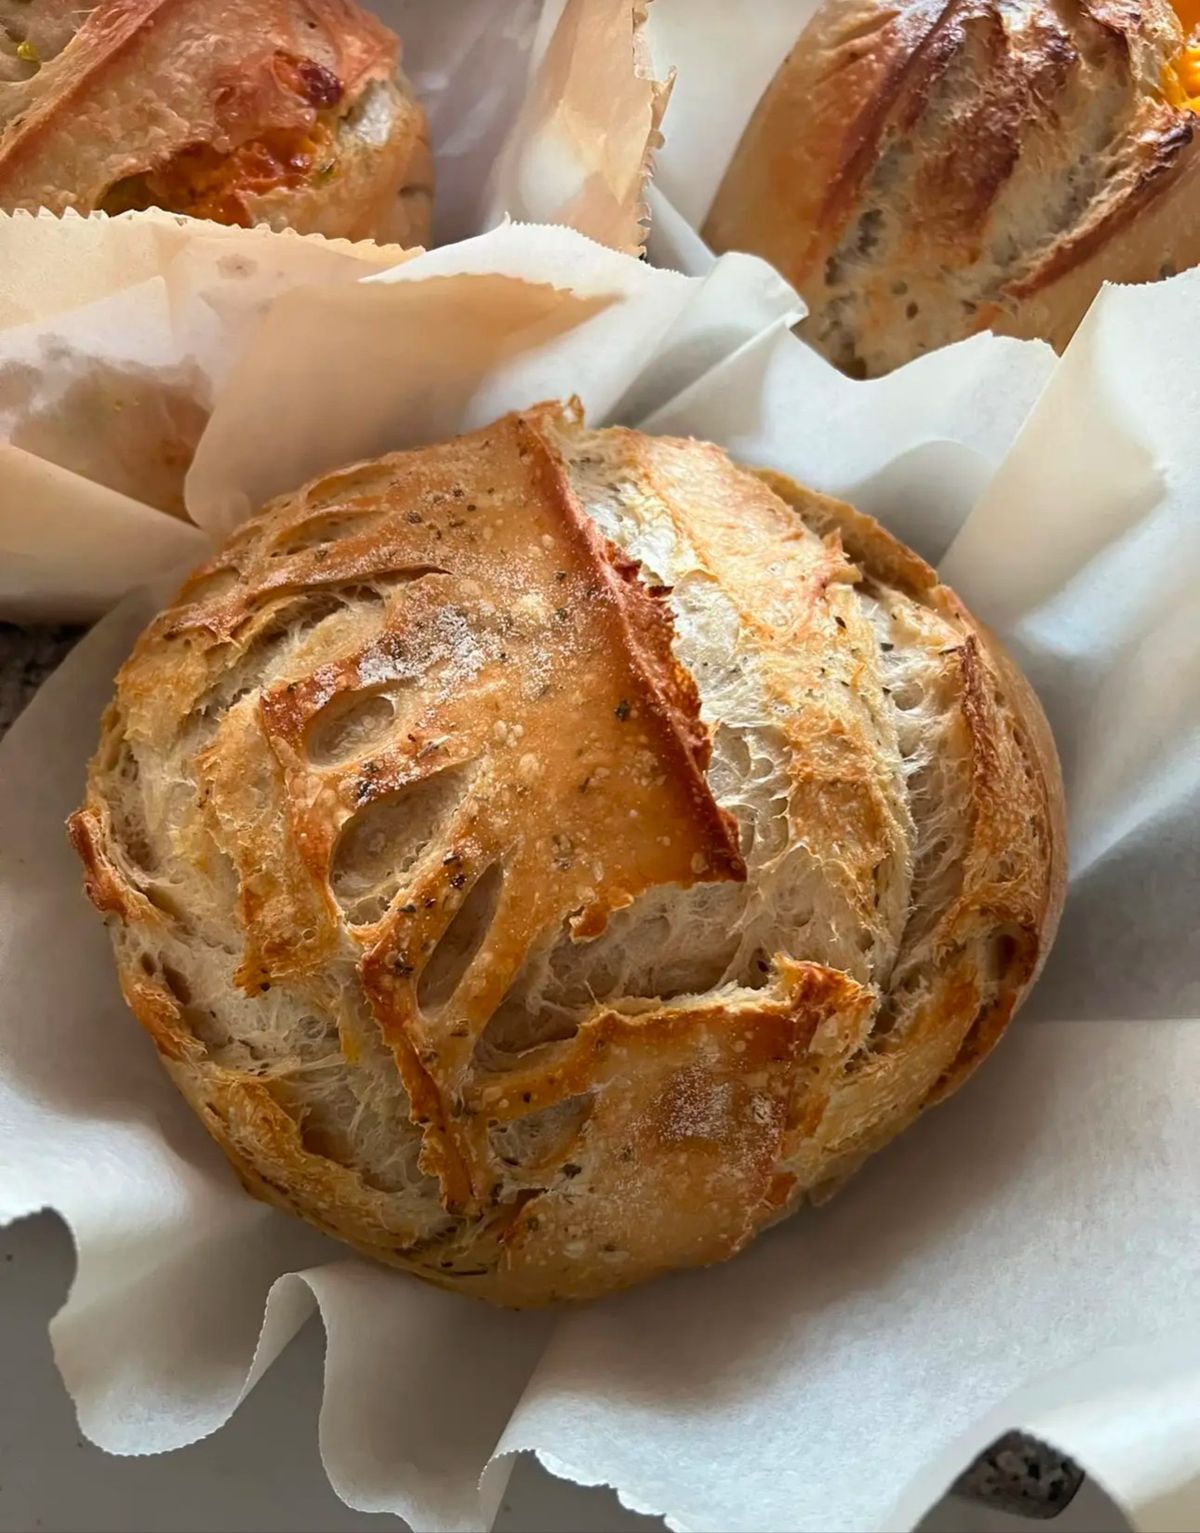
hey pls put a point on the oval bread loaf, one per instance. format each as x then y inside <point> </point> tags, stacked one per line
<point>290,113</point>
<point>924,169</point>
<point>546,858</point>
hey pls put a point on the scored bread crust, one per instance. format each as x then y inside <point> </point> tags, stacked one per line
<point>546,858</point>
<point>924,169</point>
<point>287,112</point>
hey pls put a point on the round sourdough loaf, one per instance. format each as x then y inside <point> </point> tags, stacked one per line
<point>290,113</point>
<point>546,858</point>
<point>924,169</point>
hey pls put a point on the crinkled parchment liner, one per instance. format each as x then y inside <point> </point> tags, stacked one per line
<point>116,332</point>
<point>91,310</point>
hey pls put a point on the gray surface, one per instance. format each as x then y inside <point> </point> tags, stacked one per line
<point>1017,1475</point>
<point>1022,1475</point>
<point>27,656</point>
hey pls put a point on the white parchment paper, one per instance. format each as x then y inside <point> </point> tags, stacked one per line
<point>115,335</point>
<point>539,109</point>
<point>724,54</point>
<point>1025,1256</point>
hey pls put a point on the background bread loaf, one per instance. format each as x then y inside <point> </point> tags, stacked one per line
<point>291,113</point>
<point>546,858</point>
<point>924,169</point>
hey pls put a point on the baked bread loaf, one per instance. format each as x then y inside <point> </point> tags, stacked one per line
<point>546,858</point>
<point>923,169</point>
<point>291,113</point>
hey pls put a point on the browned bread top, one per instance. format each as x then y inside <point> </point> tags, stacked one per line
<point>288,112</point>
<point>545,858</point>
<point>923,169</point>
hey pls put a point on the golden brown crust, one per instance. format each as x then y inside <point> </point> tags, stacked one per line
<point>420,728</point>
<point>924,169</point>
<point>1014,879</point>
<point>238,112</point>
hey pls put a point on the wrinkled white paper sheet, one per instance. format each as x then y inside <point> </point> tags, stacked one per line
<point>724,54</point>
<point>721,55</point>
<point>1026,1255</point>
<point>115,335</point>
<point>541,110</point>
